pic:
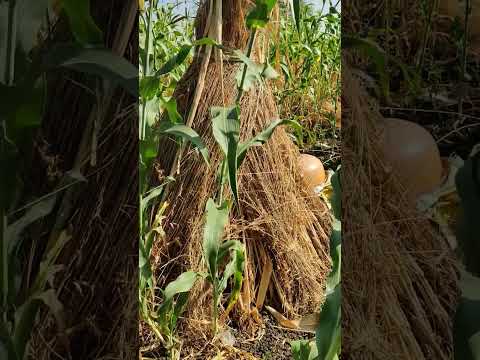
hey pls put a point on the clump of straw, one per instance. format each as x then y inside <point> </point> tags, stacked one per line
<point>280,223</point>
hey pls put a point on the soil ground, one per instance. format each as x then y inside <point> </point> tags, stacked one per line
<point>273,341</point>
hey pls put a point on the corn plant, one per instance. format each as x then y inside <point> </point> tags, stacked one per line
<point>215,253</point>
<point>307,51</point>
<point>162,317</point>
<point>226,130</point>
<point>162,62</point>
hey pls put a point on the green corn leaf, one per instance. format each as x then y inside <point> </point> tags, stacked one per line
<point>337,195</point>
<point>175,61</point>
<point>474,343</point>
<point>234,268</point>
<point>152,110</point>
<point>206,41</point>
<point>33,214</point>
<point>268,72</point>
<point>304,350</point>
<point>238,268</point>
<point>39,208</point>
<point>95,61</point>
<point>170,310</point>
<point>216,220</point>
<point>81,22</point>
<point>226,247</point>
<point>148,149</point>
<point>30,18</point>
<point>15,275</point>
<point>380,58</point>
<point>262,137</point>
<point>335,276</point>
<point>466,326</point>
<point>171,107</point>
<point>154,193</point>
<point>47,268</point>
<point>255,72</point>
<point>188,134</point>
<point>301,350</point>
<point>26,314</point>
<point>259,16</point>
<point>148,88</point>
<point>226,130</point>
<point>183,283</point>
<point>143,259</point>
<point>328,334</point>
<point>146,275</point>
<point>178,309</point>
<point>470,286</point>
<point>25,112</point>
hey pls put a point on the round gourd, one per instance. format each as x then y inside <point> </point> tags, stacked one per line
<point>312,171</point>
<point>413,154</point>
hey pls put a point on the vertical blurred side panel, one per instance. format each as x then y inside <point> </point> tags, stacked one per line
<point>90,126</point>
<point>399,271</point>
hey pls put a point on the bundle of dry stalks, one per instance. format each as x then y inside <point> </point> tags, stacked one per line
<point>284,228</point>
<point>98,282</point>
<point>399,275</point>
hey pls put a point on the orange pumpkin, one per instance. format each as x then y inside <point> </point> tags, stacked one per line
<point>312,171</point>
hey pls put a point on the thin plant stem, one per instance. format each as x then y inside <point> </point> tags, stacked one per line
<point>215,307</point>
<point>251,41</point>
<point>146,68</point>
<point>464,55</point>
<point>11,40</point>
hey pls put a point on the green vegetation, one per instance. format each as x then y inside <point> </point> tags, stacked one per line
<point>309,49</point>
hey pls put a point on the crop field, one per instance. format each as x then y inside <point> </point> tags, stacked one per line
<point>248,114</point>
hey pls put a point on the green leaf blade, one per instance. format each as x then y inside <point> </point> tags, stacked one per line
<point>226,131</point>
<point>259,16</point>
<point>216,220</point>
<point>95,61</point>
<point>190,135</point>
<point>82,25</point>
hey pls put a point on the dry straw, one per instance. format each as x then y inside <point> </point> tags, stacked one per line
<point>399,275</point>
<point>282,225</point>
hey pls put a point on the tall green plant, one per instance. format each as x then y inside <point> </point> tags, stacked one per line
<point>216,251</point>
<point>226,122</point>
<point>308,53</point>
<point>161,62</point>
